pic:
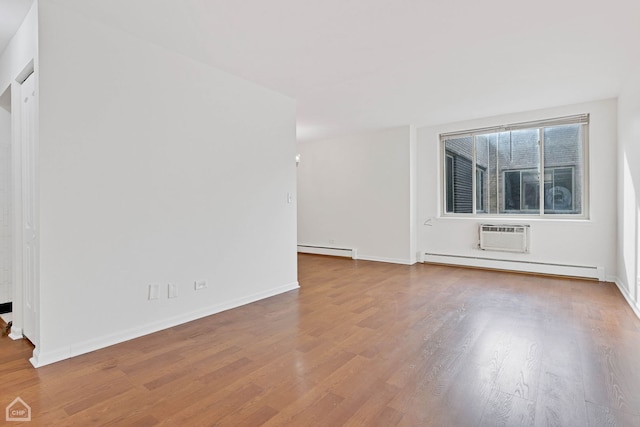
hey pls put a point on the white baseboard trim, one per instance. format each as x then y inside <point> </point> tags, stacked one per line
<point>326,250</point>
<point>42,358</point>
<point>611,279</point>
<point>521,266</point>
<point>34,358</point>
<point>623,290</point>
<point>383,259</point>
<point>16,333</point>
<point>349,253</point>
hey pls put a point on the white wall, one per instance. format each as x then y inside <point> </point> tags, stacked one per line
<point>5,207</point>
<point>590,243</point>
<point>21,51</point>
<point>154,169</point>
<point>629,192</point>
<point>354,192</point>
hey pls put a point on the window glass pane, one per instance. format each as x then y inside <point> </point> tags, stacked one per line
<point>517,166</point>
<point>459,165</point>
<point>480,190</point>
<point>483,156</point>
<point>449,184</point>
<point>502,172</point>
<point>563,165</point>
<point>530,191</point>
<point>512,191</point>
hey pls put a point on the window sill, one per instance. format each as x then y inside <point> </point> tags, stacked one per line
<point>515,219</point>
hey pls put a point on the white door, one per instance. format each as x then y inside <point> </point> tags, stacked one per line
<point>29,234</point>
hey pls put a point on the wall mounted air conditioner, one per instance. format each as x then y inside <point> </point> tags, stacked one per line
<point>505,238</point>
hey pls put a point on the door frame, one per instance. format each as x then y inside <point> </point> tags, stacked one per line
<point>17,165</point>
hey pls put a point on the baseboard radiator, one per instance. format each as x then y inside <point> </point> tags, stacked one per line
<point>589,272</point>
<point>327,250</point>
<point>504,238</point>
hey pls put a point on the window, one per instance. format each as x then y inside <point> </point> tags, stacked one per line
<point>459,170</point>
<point>498,171</point>
<point>480,189</point>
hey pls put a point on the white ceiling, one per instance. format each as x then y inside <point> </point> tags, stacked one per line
<point>12,13</point>
<point>357,65</point>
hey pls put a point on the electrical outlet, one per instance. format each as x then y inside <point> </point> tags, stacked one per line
<point>173,290</point>
<point>154,292</point>
<point>198,285</point>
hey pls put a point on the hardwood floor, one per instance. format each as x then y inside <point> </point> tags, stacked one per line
<point>363,344</point>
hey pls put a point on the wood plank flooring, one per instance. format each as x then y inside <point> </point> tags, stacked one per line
<point>363,344</point>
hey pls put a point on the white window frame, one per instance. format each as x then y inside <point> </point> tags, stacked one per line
<point>582,119</point>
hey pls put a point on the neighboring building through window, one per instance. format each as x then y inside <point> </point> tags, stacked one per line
<point>508,170</point>
<point>480,189</point>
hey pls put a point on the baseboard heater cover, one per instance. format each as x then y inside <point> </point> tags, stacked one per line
<point>513,265</point>
<point>327,250</point>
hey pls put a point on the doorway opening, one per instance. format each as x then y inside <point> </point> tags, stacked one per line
<point>19,264</point>
<point>6,209</point>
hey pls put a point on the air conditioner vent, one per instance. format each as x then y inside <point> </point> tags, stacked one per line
<point>506,238</point>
